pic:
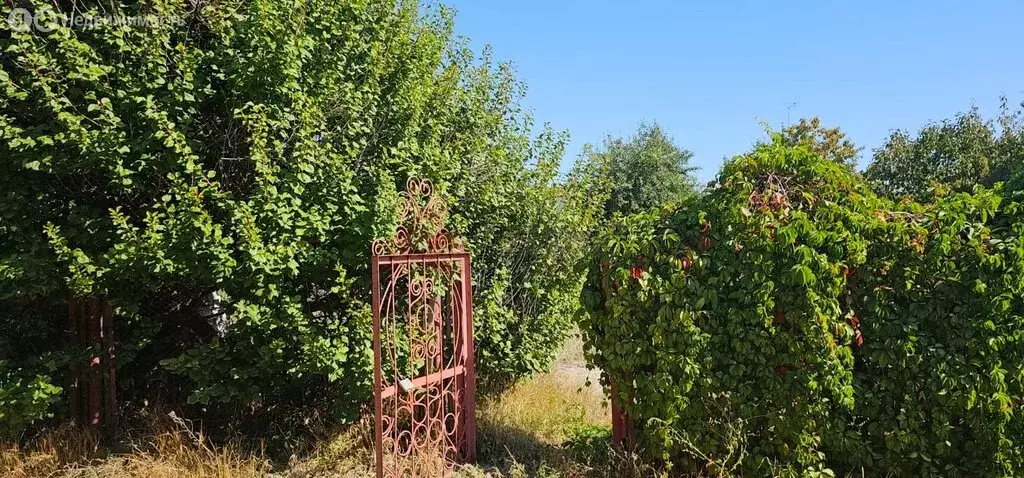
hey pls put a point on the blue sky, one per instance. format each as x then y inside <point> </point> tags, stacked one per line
<point>710,71</point>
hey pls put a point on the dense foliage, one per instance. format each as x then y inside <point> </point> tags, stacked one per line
<point>830,143</point>
<point>791,322</point>
<point>24,398</point>
<point>219,174</point>
<point>639,173</point>
<point>954,154</point>
<point>219,177</point>
<point>939,380</point>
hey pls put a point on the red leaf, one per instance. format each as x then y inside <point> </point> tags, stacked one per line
<point>780,317</point>
<point>705,243</point>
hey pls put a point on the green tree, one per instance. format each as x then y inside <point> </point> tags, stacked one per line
<point>790,322</point>
<point>220,179</point>
<point>830,143</point>
<point>952,155</point>
<point>638,173</point>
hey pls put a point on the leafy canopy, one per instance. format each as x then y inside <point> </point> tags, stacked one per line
<point>220,180</point>
<point>789,322</point>
<point>829,143</point>
<point>639,173</point>
<point>951,155</point>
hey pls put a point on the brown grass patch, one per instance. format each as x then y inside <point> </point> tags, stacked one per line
<point>171,449</point>
<point>548,426</point>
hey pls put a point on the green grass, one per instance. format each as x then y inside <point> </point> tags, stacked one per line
<point>553,425</point>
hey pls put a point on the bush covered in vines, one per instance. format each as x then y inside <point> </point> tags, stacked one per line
<point>790,321</point>
<point>219,176</point>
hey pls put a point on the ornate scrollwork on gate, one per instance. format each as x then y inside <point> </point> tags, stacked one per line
<point>424,373</point>
<point>421,224</point>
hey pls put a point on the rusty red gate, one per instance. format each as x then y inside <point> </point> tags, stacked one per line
<point>424,375</point>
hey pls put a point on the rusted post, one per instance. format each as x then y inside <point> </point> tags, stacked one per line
<point>74,381</point>
<point>378,402</point>
<point>618,417</point>
<point>82,313</point>
<point>110,369</point>
<point>95,416</point>
<point>622,424</point>
<point>92,385</point>
<point>467,285</point>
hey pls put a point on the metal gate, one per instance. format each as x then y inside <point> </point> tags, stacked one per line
<point>424,376</point>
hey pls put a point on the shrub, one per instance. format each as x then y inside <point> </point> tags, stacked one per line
<point>751,329</point>
<point>724,312</point>
<point>940,379</point>
<point>24,398</point>
<point>220,180</point>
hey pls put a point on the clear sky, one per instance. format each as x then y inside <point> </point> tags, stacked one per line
<point>710,71</point>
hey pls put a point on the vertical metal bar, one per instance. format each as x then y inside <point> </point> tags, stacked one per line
<point>393,354</point>
<point>74,384</point>
<point>437,316</point>
<point>110,401</point>
<point>467,286</point>
<point>407,398</point>
<point>81,364</point>
<point>95,396</point>
<point>421,317</point>
<point>618,422</point>
<point>378,405</point>
<point>458,305</point>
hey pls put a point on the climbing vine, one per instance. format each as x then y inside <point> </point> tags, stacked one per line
<point>784,322</point>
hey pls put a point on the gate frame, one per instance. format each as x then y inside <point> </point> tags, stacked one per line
<point>422,218</point>
<point>92,382</point>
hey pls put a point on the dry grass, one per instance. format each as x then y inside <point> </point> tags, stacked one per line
<point>548,408</point>
<point>49,454</point>
<point>552,425</point>
<point>551,406</point>
<point>177,451</point>
<point>348,454</point>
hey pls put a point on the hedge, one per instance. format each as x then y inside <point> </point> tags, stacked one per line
<point>790,322</point>
<point>220,177</point>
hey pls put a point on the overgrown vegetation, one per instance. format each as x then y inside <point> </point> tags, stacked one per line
<point>218,176</point>
<point>636,174</point>
<point>220,179</point>
<point>791,322</point>
<point>829,143</point>
<point>951,155</point>
<point>552,426</point>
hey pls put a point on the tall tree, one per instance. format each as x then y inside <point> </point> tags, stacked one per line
<point>639,173</point>
<point>830,143</point>
<point>247,156</point>
<point>955,154</point>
